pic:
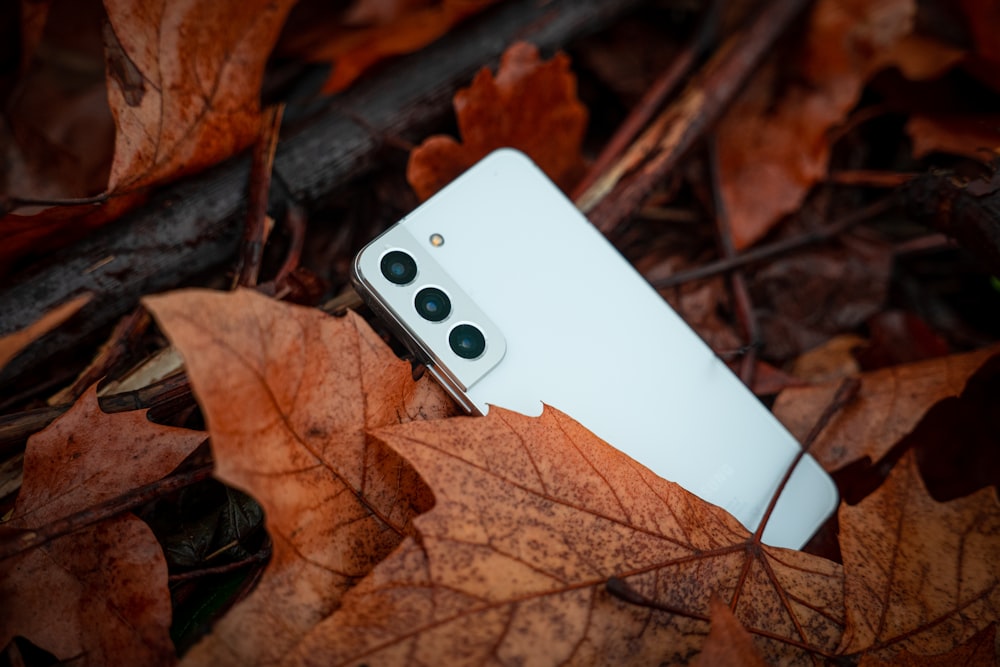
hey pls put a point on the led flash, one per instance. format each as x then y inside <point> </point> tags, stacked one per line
<point>437,240</point>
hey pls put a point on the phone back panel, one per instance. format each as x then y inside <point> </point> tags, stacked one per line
<point>585,333</point>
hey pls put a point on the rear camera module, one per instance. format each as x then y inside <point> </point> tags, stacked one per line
<point>432,304</point>
<point>467,341</point>
<point>398,267</point>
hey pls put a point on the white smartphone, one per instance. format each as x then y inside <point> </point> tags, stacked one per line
<point>512,298</point>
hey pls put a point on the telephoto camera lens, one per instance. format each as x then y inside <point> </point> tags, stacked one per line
<point>467,341</point>
<point>432,304</point>
<point>398,267</point>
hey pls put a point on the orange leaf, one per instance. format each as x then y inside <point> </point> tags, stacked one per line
<point>98,596</point>
<point>920,575</point>
<point>888,406</point>
<point>395,28</point>
<point>728,643</point>
<point>287,393</point>
<point>532,517</point>
<point>531,105</point>
<point>184,83</point>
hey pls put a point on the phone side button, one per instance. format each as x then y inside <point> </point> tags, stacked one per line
<point>459,397</point>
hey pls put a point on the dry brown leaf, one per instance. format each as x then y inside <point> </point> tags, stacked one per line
<point>773,144</point>
<point>13,343</point>
<point>728,643</point>
<point>974,136</point>
<point>920,576</point>
<point>184,83</point>
<point>532,516</point>
<point>978,651</point>
<point>287,393</point>
<point>889,405</point>
<point>531,105</point>
<point>98,596</point>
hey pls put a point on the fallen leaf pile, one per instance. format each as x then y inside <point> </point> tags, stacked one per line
<point>400,532</point>
<point>775,142</point>
<point>532,541</point>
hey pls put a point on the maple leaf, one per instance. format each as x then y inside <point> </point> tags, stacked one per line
<point>919,575</point>
<point>184,82</point>
<point>773,144</point>
<point>98,596</point>
<point>287,393</point>
<point>531,105</point>
<point>532,517</point>
<point>888,406</point>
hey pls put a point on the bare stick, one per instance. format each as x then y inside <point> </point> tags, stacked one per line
<point>255,232</point>
<point>643,112</point>
<point>618,194</point>
<point>18,542</point>
<point>765,252</point>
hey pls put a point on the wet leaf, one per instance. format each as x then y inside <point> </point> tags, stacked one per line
<point>287,393</point>
<point>532,517</point>
<point>920,575</point>
<point>101,592</point>
<point>530,105</point>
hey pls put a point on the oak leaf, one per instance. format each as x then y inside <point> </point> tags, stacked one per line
<point>773,144</point>
<point>184,83</point>
<point>531,105</point>
<point>532,518</point>
<point>888,406</point>
<point>288,393</point>
<point>919,576</point>
<point>98,596</point>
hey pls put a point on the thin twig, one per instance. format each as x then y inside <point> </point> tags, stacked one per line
<point>738,281</point>
<point>846,392</point>
<point>256,230</point>
<point>295,222</point>
<point>618,194</point>
<point>259,557</point>
<point>765,252</point>
<point>22,541</point>
<point>654,98</point>
<point>122,338</point>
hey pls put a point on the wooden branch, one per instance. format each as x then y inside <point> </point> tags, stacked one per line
<point>195,225</point>
<point>967,211</point>
<point>620,192</point>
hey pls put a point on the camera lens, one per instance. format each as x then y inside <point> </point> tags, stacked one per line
<point>398,267</point>
<point>432,304</point>
<point>467,341</point>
